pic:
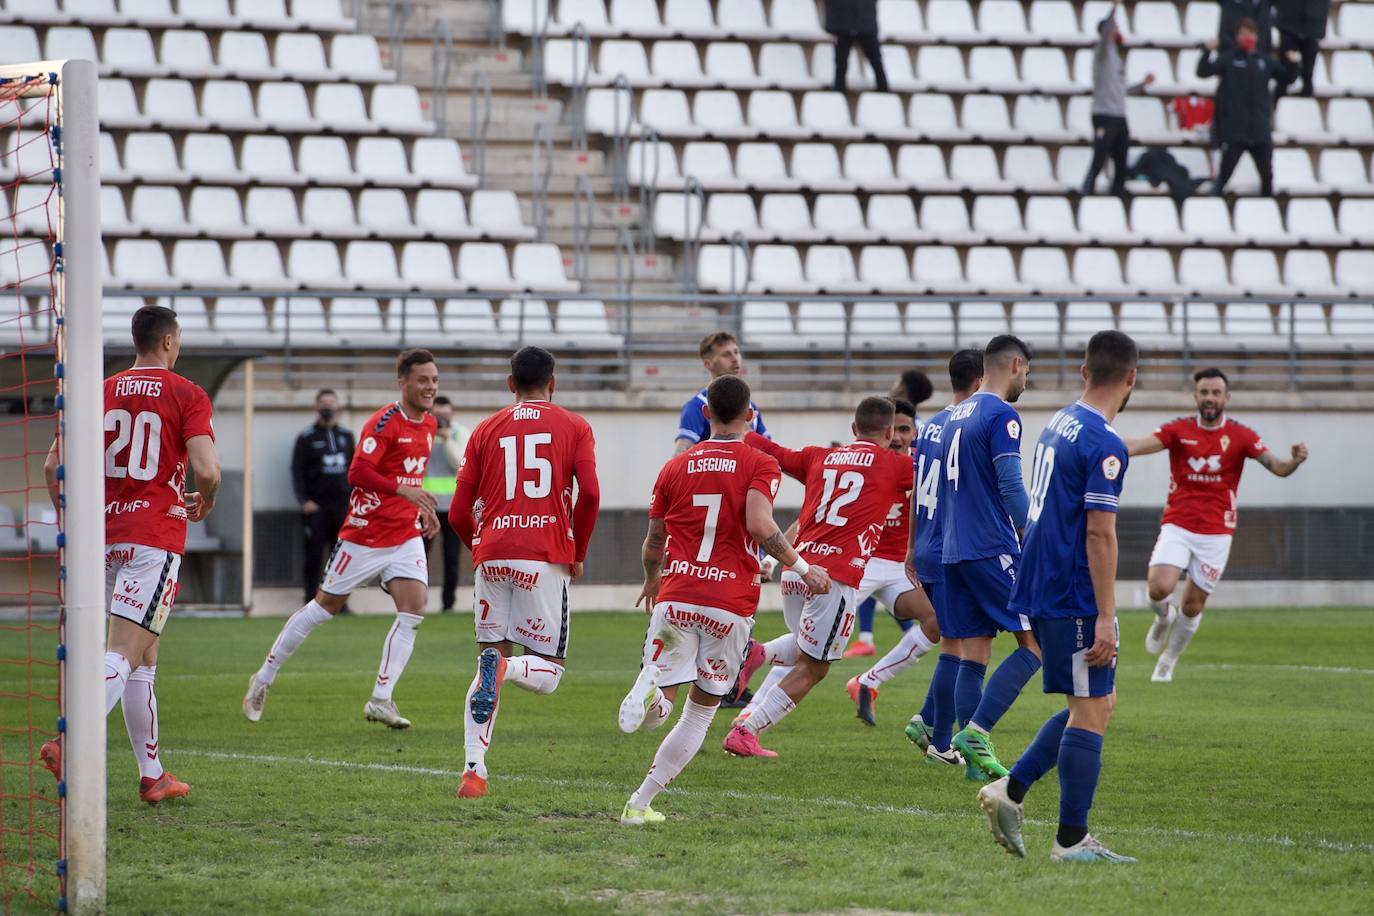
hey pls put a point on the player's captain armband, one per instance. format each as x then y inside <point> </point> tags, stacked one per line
<point>801,567</point>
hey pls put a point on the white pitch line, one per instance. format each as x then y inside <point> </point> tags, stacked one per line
<point>823,802</point>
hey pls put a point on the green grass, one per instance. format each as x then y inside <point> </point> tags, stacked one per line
<point>1244,786</point>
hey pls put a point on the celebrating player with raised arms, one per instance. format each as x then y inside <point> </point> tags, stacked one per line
<point>1207,454</point>
<point>156,424</point>
<point>389,515</point>
<point>850,491</point>
<point>711,511</point>
<point>1067,587</point>
<point>984,502</point>
<point>514,507</point>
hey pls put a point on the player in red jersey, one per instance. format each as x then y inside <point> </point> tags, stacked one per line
<point>1207,454</point>
<point>156,424</point>
<point>514,508</point>
<point>711,511</point>
<point>389,515</point>
<point>850,490</point>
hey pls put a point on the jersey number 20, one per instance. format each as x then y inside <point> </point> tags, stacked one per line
<point>141,433</point>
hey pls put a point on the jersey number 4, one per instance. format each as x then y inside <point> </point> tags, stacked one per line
<point>141,434</point>
<point>534,463</point>
<point>927,485</point>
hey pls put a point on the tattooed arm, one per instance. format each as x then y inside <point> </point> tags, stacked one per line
<point>652,554</point>
<point>759,519</point>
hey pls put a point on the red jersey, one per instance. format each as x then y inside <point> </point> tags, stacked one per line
<point>397,448</point>
<point>896,533</point>
<point>150,413</point>
<point>1204,472</point>
<point>850,491</point>
<point>701,495</point>
<point>517,481</point>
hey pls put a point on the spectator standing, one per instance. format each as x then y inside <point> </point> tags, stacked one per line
<point>441,478</point>
<point>1258,11</point>
<point>1111,134</point>
<point>319,475</point>
<point>1302,26</point>
<point>720,354</point>
<point>855,21</point>
<point>1244,121</point>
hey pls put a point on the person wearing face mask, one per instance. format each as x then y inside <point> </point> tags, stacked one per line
<point>319,474</point>
<point>1111,134</point>
<point>444,460</point>
<point>1261,14</point>
<point>1244,119</point>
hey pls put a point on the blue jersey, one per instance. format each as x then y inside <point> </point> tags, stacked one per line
<point>1079,466</point>
<point>693,427</point>
<point>979,430</point>
<point>926,511</point>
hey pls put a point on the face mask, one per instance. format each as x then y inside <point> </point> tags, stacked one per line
<point>326,414</point>
<point>1246,43</point>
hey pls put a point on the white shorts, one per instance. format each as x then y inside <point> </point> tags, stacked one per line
<point>524,602</point>
<point>351,566</point>
<point>821,623</point>
<point>885,580</point>
<point>1203,556</point>
<point>142,583</point>
<point>693,643</point>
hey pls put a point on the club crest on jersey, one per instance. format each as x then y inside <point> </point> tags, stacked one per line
<point>1111,467</point>
<point>369,445</point>
<point>1225,443</point>
<point>773,485</point>
<point>1014,429</point>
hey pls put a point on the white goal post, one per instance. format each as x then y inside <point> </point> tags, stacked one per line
<point>80,370</point>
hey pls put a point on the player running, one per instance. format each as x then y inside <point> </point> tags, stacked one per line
<point>156,423</point>
<point>850,490</point>
<point>1207,454</point>
<point>514,509</point>
<point>389,515</point>
<point>985,503</point>
<point>1067,587</point>
<point>711,511</point>
<point>886,578</point>
<point>933,727</point>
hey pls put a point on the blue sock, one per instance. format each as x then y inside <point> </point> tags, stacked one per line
<point>1080,760</point>
<point>866,615</point>
<point>968,689</point>
<point>906,624</point>
<point>942,694</point>
<point>1005,686</point>
<point>1040,757</point>
<point>927,712</point>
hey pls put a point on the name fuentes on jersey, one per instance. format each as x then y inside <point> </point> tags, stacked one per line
<point>134,386</point>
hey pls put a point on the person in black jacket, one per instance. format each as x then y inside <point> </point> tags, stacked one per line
<point>1302,26</point>
<point>850,21</point>
<point>1258,11</point>
<point>1244,110</point>
<point>319,474</point>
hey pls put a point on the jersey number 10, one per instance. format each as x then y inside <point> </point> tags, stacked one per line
<point>142,435</point>
<point>539,466</point>
<point>1040,479</point>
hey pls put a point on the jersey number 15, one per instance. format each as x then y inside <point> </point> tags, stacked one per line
<point>534,463</point>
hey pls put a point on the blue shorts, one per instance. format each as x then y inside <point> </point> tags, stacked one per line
<point>1064,641</point>
<point>976,596</point>
<point>935,591</point>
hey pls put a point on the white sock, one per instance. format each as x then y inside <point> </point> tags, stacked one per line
<point>1181,633</point>
<point>477,738</point>
<point>660,708</point>
<point>116,676</point>
<point>1160,607</point>
<point>866,636</point>
<point>785,650</point>
<point>400,642</point>
<point>139,703</point>
<point>906,653</point>
<point>293,633</point>
<point>772,709</point>
<point>535,674</point>
<point>770,683</point>
<point>677,750</point>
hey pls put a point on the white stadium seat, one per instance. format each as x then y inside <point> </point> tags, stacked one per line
<point>539,266</point>
<point>525,317</point>
<point>485,265</point>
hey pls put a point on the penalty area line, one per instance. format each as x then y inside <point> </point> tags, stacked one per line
<point>735,794</point>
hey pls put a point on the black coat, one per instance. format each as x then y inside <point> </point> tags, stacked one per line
<point>1303,18</point>
<point>1244,108</point>
<point>851,17</point>
<point>1233,11</point>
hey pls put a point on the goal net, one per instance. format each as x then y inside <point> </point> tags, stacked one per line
<point>52,826</point>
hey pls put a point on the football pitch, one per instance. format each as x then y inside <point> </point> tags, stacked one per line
<point>1243,786</point>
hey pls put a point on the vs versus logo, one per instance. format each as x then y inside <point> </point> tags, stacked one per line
<point>415,466</point>
<point>1211,464</point>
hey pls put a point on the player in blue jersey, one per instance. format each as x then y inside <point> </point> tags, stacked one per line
<point>933,727</point>
<point>721,356</point>
<point>985,510</point>
<point>1067,587</point>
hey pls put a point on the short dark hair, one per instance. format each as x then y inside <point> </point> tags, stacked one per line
<point>1111,357</point>
<point>152,323</point>
<point>531,368</point>
<point>904,407</point>
<point>728,398</point>
<point>325,391</point>
<point>965,368</point>
<point>874,414</point>
<point>917,386</point>
<point>1248,25</point>
<point>1005,346</point>
<point>713,340</point>
<point>1211,372</point>
<point>409,359</point>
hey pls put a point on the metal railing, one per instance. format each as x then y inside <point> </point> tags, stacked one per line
<point>441,63</point>
<point>622,124</point>
<point>693,194</point>
<point>479,124</point>
<point>539,36</point>
<point>648,189</point>
<point>581,50</point>
<point>584,213</point>
<point>397,15</point>
<point>541,171</point>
